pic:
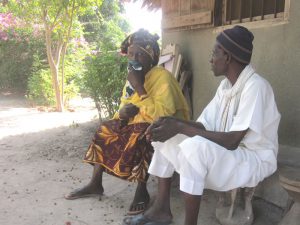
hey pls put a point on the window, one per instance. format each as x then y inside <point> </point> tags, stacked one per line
<point>238,11</point>
<point>191,14</point>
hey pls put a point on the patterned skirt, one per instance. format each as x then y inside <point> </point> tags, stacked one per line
<point>121,150</point>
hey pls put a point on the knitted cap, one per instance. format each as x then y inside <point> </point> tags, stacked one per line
<point>237,41</point>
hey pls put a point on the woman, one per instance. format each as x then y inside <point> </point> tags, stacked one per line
<point>119,146</point>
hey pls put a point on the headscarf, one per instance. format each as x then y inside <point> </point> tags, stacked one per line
<point>146,42</point>
<point>237,41</point>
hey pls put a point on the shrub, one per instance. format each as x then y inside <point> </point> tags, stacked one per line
<point>16,59</point>
<point>104,80</point>
<point>18,44</point>
<point>40,90</point>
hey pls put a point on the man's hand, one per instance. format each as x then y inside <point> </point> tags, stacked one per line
<point>128,111</point>
<point>162,129</point>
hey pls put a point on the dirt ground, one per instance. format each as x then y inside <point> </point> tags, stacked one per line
<point>40,161</point>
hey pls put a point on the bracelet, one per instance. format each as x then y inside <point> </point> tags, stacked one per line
<point>142,97</point>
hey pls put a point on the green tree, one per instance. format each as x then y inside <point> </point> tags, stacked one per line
<point>18,44</point>
<point>39,89</point>
<point>58,18</point>
<point>107,28</point>
<point>104,79</point>
<point>106,69</point>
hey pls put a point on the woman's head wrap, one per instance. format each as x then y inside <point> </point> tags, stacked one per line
<point>237,41</point>
<point>146,41</point>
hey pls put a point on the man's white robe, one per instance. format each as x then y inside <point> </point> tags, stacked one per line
<point>202,163</point>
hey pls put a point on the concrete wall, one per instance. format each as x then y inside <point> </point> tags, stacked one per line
<point>276,57</point>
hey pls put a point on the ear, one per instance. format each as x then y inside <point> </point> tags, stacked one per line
<point>228,58</point>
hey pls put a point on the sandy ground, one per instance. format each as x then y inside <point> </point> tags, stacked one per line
<point>40,161</point>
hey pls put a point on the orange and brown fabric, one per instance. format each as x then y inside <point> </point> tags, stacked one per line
<point>146,42</point>
<point>118,147</point>
<point>121,150</point>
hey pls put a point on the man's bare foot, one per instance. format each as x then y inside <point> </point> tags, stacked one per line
<point>157,214</point>
<point>84,192</point>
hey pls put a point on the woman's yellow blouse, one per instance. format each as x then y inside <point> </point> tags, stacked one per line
<point>165,98</point>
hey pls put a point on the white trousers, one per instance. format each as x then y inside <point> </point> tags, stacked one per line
<point>205,164</point>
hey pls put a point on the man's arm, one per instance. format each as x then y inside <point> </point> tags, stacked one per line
<point>229,140</point>
<point>167,127</point>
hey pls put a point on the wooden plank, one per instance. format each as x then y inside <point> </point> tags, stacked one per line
<point>202,5</point>
<point>269,7</point>
<point>287,9</point>
<point>230,10</point>
<point>251,9</point>
<point>187,20</point>
<point>269,17</point>
<point>224,11</point>
<point>275,9</point>
<point>240,10</point>
<point>280,5</point>
<point>178,65</point>
<point>270,22</point>
<point>170,7</point>
<point>246,6</point>
<point>173,50</point>
<point>185,7</point>
<point>256,7</point>
<point>218,12</point>
<point>262,9</point>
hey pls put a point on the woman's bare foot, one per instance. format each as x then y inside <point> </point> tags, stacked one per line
<point>140,201</point>
<point>85,192</point>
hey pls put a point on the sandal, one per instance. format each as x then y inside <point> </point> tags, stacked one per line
<point>142,220</point>
<point>138,208</point>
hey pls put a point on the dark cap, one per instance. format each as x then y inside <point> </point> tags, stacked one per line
<point>237,41</point>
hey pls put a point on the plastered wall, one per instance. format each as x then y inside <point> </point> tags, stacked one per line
<point>276,57</point>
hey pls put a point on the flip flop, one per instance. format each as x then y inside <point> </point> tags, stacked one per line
<point>142,220</point>
<point>136,212</point>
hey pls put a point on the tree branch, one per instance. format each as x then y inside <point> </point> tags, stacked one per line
<point>56,18</point>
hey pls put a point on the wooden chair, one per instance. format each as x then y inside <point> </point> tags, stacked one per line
<point>235,207</point>
<point>172,60</point>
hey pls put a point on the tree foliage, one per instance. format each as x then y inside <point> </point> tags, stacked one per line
<point>40,89</point>
<point>18,44</point>
<point>71,30</point>
<point>107,28</point>
<point>106,69</point>
<point>58,18</point>
<point>104,81</point>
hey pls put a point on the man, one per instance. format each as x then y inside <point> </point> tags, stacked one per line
<point>233,143</point>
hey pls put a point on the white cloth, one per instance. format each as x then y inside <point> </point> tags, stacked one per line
<point>205,164</point>
<point>231,97</point>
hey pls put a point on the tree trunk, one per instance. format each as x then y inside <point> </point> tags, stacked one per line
<point>53,67</point>
<point>64,50</point>
<point>55,83</point>
<point>99,108</point>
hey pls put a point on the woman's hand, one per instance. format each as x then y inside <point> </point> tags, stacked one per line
<point>137,79</point>
<point>162,129</point>
<point>128,111</point>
